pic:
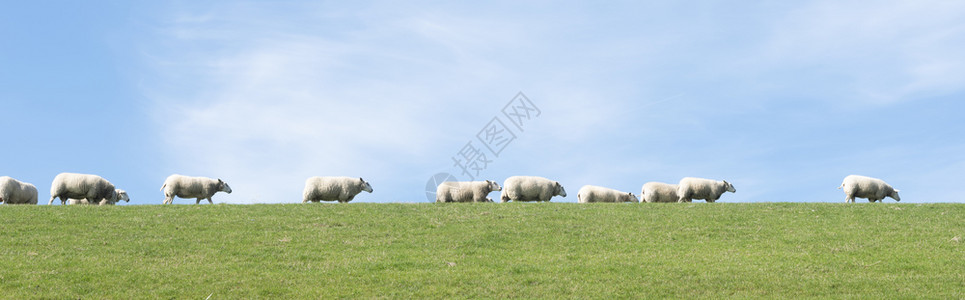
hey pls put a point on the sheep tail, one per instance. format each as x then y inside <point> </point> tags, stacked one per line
<point>162,186</point>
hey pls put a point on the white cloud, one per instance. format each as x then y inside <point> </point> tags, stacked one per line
<point>266,97</point>
<point>879,53</point>
<point>267,108</point>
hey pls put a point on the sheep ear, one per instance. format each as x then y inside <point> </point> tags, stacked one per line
<point>362,180</point>
<point>897,191</point>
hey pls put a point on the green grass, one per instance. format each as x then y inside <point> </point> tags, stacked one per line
<point>547,250</point>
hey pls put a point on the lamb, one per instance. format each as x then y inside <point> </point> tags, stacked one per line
<point>531,188</point>
<point>873,189</point>
<point>691,188</point>
<point>466,191</point>
<point>82,186</point>
<point>13,191</point>
<point>335,188</point>
<point>121,196</point>
<point>658,192</point>
<point>592,193</point>
<point>186,187</point>
<point>73,201</point>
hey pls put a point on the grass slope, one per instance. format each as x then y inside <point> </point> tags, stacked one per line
<point>548,250</point>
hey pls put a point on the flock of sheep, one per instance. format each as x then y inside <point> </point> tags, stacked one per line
<point>535,188</point>
<point>92,189</point>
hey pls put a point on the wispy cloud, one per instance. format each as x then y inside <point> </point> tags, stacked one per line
<point>266,96</point>
<point>881,53</point>
<point>270,108</point>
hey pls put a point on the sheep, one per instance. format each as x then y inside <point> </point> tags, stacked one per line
<point>73,201</point>
<point>466,191</point>
<point>82,186</point>
<point>186,187</point>
<point>691,188</point>
<point>658,192</point>
<point>13,191</point>
<point>85,202</point>
<point>873,189</point>
<point>530,188</point>
<point>592,193</point>
<point>334,188</point>
<point>121,196</point>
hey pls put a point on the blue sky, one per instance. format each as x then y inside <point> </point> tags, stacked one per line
<point>781,99</point>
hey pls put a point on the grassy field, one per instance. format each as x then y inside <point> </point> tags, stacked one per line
<point>547,250</point>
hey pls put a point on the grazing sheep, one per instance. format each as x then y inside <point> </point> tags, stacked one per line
<point>85,202</point>
<point>873,189</point>
<point>658,192</point>
<point>121,196</point>
<point>592,193</point>
<point>691,188</point>
<point>531,188</point>
<point>466,191</point>
<point>73,201</point>
<point>187,187</point>
<point>335,188</point>
<point>82,186</point>
<point>13,191</point>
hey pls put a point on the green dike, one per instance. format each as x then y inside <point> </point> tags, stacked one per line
<point>524,250</point>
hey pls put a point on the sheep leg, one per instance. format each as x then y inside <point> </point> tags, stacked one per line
<point>209,201</point>
<point>51,200</point>
<point>197,201</point>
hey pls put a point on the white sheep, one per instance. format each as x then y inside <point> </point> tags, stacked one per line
<point>187,187</point>
<point>334,188</point>
<point>873,189</point>
<point>658,192</point>
<point>73,201</point>
<point>530,188</point>
<point>592,193</point>
<point>82,186</point>
<point>121,196</point>
<point>691,188</point>
<point>466,191</point>
<point>13,191</point>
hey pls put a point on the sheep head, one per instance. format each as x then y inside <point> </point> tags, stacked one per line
<point>894,195</point>
<point>730,187</point>
<point>223,186</point>
<point>365,185</point>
